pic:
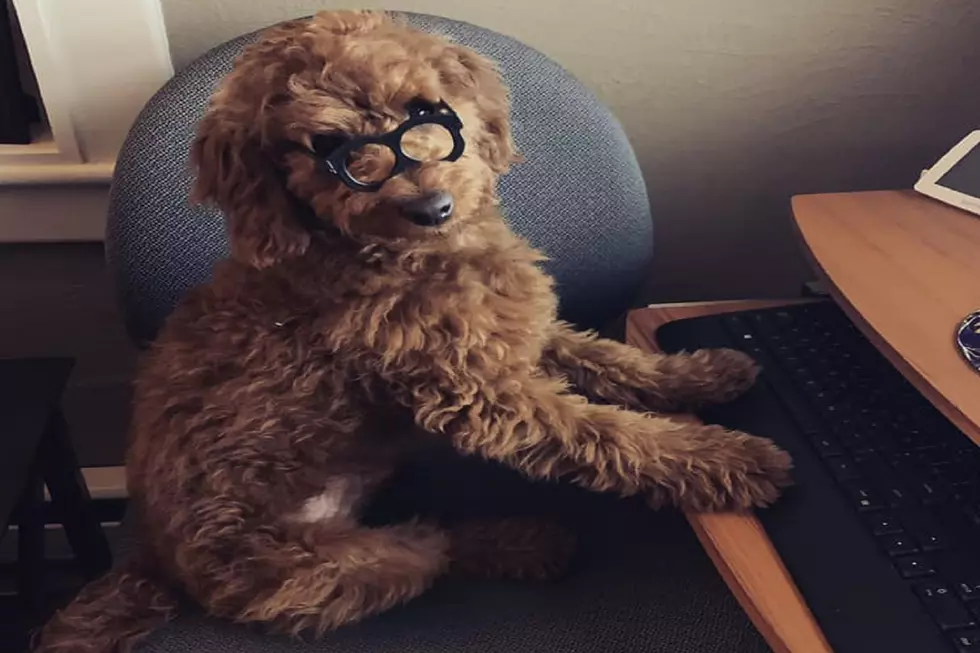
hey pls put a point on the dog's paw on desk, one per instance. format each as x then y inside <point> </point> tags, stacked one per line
<point>723,470</point>
<point>723,375</point>
<point>688,381</point>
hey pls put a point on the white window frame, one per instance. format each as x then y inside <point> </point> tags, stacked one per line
<point>96,62</point>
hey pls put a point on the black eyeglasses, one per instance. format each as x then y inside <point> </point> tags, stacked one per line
<point>433,132</point>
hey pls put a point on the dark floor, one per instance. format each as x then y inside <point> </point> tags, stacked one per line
<point>57,300</point>
<point>61,580</point>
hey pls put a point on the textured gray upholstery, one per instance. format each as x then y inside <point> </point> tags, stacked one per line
<point>579,196</point>
<point>641,581</point>
<point>641,584</point>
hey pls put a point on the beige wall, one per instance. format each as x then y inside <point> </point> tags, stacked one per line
<point>732,105</point>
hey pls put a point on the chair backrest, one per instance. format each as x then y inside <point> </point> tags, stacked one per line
<point>579,195</point>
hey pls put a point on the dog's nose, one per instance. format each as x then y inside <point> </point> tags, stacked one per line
<point>430,210</point>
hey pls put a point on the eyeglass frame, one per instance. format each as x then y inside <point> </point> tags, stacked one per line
<point>335,162</point>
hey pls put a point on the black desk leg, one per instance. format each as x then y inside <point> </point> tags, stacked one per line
<point>71,500</point>
<point>30,545</point>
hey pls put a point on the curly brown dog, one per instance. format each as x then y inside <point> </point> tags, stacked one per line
<point>351,325</point>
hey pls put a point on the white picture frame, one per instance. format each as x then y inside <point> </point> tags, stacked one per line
<point>929,183</point>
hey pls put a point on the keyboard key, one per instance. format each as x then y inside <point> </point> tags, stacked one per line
<point>914,566</point>
<point>968,492</point>
<point>935,457</point>
<point>930,541</point>
<point>826,445</point>
<point>972,515</point>
<point>783,319</point>
<point>898,544</point>
<point>954,438</point>
<point>830,410</point>
<point>884,523</point>
<point>881,477</point>
<point>942,604</point>
<point>951,518</point>
<point>810,386</point>
<point>922,441</point>
<point>931,492</point>
<point>968,590</point>
<point>925,530</point>
<point>905,463</point>
<point>843,469</point>
<point>966,641</point>
<point>857,441</point>
<point>862,497</point>
<point>961,473</point>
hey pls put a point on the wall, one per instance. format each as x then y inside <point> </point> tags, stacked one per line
<point>56,300</point>
<point>732,105</point>
<point>53,213</point>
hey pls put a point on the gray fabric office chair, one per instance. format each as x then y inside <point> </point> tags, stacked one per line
<point>641,581</point>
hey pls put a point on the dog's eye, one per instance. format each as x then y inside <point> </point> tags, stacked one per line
<point>325,144</point>
<point>421,107</point>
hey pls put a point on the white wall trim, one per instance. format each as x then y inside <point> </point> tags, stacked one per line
<point>56,173</point>
<point>31,213</point>
<point>52,84</point>
<point>97,63</point>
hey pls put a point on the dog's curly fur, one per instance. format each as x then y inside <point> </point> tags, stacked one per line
<point>281,394</point>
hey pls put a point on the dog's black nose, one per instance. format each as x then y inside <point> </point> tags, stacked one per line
<point>430,210</point>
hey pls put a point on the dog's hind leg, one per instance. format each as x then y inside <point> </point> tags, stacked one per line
<point>313,577</point>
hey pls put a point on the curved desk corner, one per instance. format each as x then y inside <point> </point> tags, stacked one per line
<point>906,269</point>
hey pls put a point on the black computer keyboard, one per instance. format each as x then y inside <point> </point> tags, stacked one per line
<point>881,531</point>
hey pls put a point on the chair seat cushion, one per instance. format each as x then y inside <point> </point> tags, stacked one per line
<point>640,582</point>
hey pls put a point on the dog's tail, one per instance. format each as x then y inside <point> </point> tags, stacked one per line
<point>110,615</point>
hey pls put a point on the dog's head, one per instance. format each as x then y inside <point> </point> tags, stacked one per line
<point>310,89</point>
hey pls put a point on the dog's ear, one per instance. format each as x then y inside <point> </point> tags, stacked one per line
<point>236,174</point>
<point>496,144</point>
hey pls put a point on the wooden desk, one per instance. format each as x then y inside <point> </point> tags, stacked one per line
<point>906,269</point>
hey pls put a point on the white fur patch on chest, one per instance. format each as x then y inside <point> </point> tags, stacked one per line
<point>338,500</point>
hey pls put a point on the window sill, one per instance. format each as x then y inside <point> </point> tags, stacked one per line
<point>48,174</point>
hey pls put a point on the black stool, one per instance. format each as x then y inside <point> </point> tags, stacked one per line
<point>36,452</point>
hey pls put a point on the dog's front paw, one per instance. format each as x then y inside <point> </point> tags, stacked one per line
<point>760,470</point>
<point>516,548</point>
<point>724,373</point>
<point>735,472</point>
